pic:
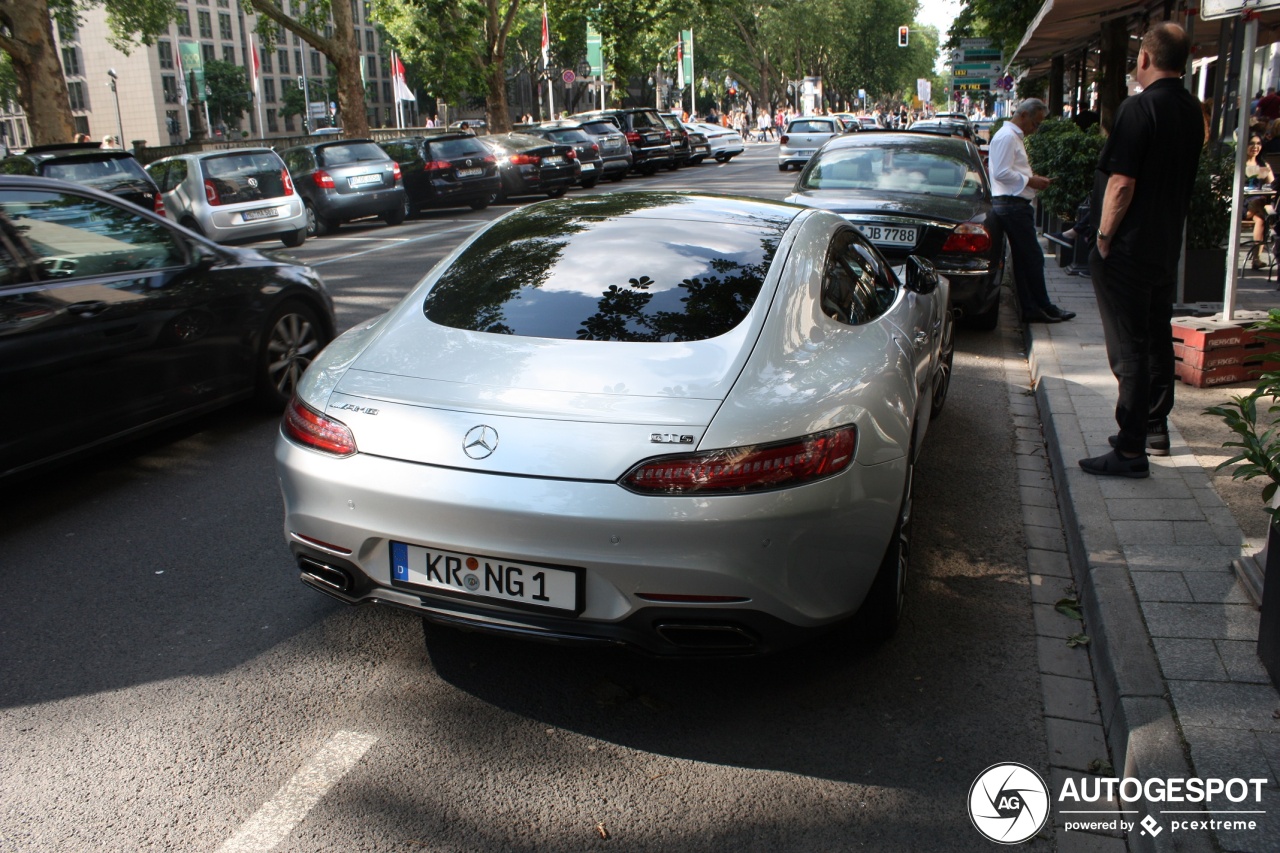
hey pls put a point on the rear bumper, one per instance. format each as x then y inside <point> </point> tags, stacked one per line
<point>349,206</point>
<point>649,158</point>
<point>443,193</point>
<point>225,227</point>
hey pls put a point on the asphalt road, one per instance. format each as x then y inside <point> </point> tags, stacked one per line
<point>166,682</point>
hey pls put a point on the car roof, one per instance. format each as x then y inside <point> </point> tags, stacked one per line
<point>71,151</point>
<point>922,140</point>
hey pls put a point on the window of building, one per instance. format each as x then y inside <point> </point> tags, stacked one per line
<point>370,67</point>
<point>229,54</point>
<point>71,61</point>
<point>164,50</point>
<point>288,124</point>
<point>371,92</point>
<point>208,53</point>
<point>80,123</point>
<point>328,31</point>
<point>224,4</point>
<point>184,22</point>
<point>202,2</point>
<point>385,64</point>
<point>206,24</point>
<point>366,5</point>
<point>297,62</point>
<point>283,56</point>
<point>386,91</point>
<point>68,32</point>
<point>315,63</point>
<point>224,26</point>
<point>272,125</point>
<point>268,90</point>
<point>266,62</point>
<point>75,90</point>
<point>368,41</point>
<point>169,84</point>
<point>355,13</point>
<point>171,119</point>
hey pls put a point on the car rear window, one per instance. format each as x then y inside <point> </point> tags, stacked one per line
<point>449,148</point>
<point>240,176</point>
<point>895,169</point>
<point>646,119</point>
<point>343,153</point>
<point>567,136</point>
<point>95,171</point>
<point>601,128</point>
<point>632,275</point>
<point>808,126</point>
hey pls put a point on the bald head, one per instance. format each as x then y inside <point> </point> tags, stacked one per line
<point>1168,46</point>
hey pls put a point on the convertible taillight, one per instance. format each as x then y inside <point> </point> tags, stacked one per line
<point>968,237</point>
<point>316,431</point>
<point>746,469</point>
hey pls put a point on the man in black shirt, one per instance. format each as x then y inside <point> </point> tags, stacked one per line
<point>1142,190</point>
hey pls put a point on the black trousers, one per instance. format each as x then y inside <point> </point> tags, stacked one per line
<point>1136,305</point>
<point>1019,222</point>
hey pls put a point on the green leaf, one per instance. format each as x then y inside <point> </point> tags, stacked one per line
<point>1069,607</point>
<point>1077,640</point>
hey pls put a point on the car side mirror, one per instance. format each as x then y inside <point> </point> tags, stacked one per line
<point>922,276</point>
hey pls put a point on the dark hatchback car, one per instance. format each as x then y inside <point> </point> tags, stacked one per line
<point>116,321</point>
<point>446,170</point>
<point>916,194</point>
<point>531,165</point>
<point>646,133</point>
<point>615,152</point>
<point>345,179</point>
<point>584,145</point>
<point>108,169</point>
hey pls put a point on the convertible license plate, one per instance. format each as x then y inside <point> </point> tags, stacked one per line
<point>469,173</point>
<point>363,180</point>
<point>522,585</point>
<point>260,213</point>
<point>889,235</point>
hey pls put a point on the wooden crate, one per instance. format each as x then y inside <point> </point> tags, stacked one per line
<point>1229,375</point>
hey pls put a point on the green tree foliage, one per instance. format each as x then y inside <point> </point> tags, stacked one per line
<point>230,92</point>
<point>1068,155</point>
<point>1005,22</point>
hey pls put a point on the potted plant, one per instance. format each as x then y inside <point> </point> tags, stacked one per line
<point>1257,454</point>
<point>1208,225</point>
<point>1069,155</point>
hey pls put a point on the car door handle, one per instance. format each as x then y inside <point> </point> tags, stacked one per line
<point>921,338</point>
<point>91,308</point>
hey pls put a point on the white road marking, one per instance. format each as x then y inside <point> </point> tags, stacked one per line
<point>430,236</point>
<point>273,822</point>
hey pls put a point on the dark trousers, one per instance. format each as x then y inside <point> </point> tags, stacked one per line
<point>1136,305</point>
<point>1019,222</point>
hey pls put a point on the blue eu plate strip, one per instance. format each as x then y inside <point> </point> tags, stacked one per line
<point>400,561</point>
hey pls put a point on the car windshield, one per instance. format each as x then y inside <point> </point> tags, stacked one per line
<point>101,173</point>
<point>245,176</point>
<point>608,269</point>
<point>895,169</point>
<point>344,153</point>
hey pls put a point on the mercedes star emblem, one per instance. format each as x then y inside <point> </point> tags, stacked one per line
<point>480,441</point>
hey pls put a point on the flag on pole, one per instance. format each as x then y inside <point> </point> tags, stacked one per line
<point>257,86</point>
<point>182,78</point>
<point>546,36</point>
<point>403,92</point>
<point>680,63</point>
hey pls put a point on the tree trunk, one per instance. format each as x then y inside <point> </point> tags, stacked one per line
<point>42,89</point>
<point>495,108</point>
<point>345,56</point>
<point>498,23</point>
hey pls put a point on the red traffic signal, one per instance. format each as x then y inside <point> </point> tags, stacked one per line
<point>902,36</point>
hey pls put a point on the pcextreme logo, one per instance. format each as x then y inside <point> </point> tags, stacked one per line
<point>1009,803</point>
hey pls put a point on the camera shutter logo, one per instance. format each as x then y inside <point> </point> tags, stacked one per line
<point>1009,803</point>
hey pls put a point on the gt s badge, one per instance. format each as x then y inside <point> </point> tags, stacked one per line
<point>670,438</point>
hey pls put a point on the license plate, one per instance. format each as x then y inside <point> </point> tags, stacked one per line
<point>515,584</point>
<point>363,180</point>
<point>588,167</point>
<point>553,161</point>
<point>889,235</point>
<point>260,213</point>
<point>469,173</point>
<point>806,152</point>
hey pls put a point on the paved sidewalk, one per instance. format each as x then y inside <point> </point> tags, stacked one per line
<point>1173,633</point>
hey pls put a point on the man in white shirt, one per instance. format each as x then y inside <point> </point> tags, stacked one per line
<point>1013,189</point>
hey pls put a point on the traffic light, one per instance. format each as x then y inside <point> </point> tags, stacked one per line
<point>902,36</point>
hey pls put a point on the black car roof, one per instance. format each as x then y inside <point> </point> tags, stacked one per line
<point>44,153</point>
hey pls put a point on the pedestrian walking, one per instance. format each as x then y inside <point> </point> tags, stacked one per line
<point>1013,189</point>
<point>1142,190</point>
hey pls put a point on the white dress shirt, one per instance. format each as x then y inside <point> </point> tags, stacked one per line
<point>1008,165</point>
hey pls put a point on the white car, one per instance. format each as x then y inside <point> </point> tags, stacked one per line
<point>682,422</point>
<point>803,137</point>
<point>726,143</point>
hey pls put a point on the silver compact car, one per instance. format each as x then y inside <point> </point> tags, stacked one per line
<point>684,423</point>
<point>232,196</point>
<point>803,137</point>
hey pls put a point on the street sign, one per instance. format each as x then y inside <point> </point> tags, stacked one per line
<point>1213,9</point>
<point>568,76</point>
<point>983,67</point>
<point>973,86</point>
<point>595,57</point>
<point>975,43</point>
<point>975,76</point>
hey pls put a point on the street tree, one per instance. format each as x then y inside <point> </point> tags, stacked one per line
<point>310,21</point>
<point>229,92</point>
<point>26,37</point>
<point>1005,22</point>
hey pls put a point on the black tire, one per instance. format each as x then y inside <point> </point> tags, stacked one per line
<point>586,185</point>
<point>881,612</point>
<point>294,239</point>
<point>617,176</point>
<point>317,225</point>
<point>649,171</point>
<point>556,193</point>
<point>395,216</point>
<point>696,161</point>
<point>481,203</point>
<point>291,339</point>
<point>675,164</point>
<point>782,167</point>
<point>942,378</point>
<point>720,158</point>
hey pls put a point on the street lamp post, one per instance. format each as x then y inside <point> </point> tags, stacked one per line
<point>111,72</point>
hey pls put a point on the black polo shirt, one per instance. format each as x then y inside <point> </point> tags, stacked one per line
<point>1156,140</point>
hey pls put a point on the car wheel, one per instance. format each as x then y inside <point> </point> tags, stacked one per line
<point>617,176</point>
<point>557,192</point>
<point>291,340</point>
<point>586,185</point>
<point>881,611</point>
<point>317,225</point>
<point>482,203</point>
<point>649,171</point>
<point>294,239</point>
<point>782,167</point>
<point>942,377</point>
<point>720,158</point>
<point>396,215</point>
<point>674,165</point>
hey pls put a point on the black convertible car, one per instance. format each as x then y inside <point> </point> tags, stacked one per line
<point>916,194</point>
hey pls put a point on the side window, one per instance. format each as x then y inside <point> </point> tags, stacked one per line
<point>855,287</point>
<point>17,166</point>
<point>159,173</point>
<point>71,236</point>
<point>177,174</point>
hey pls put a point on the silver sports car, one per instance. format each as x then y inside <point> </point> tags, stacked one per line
<point>686,423</point>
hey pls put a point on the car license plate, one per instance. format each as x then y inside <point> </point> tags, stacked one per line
<point>521,585</point>
<point>363,180</point>
<point>806,152</point>
<point>889,235</point>
<point>553,161</point>
<point>588,167</point>
<point>260,213</point>
<point>469,173</point>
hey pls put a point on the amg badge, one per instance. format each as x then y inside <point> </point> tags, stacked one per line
<point>670,438</point>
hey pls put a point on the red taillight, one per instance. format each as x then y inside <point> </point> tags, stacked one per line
<point>784,139</point>
<point>438,166</point>
<point>594,148</point>
<point>211,192</point>
<point>157,207</point>
<point>746,469</point>
<point>312,429</point>
<point>287,179</point>
<point>322,179</point>
<point>633,137</point>
<point>489,159</point>
<point>395,170</point>
<point>666,134</point>
<point>969,237</point>
<point>572,154</point>
<point>525,160</point>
